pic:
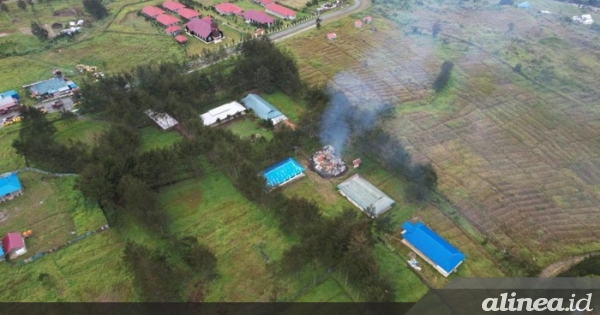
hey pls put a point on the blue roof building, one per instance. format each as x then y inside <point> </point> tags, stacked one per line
<point>263,109</point>
<point>52,86</point>
<point>11,93</point>
<point>431,247</point>
<point>283,172</point>
<point>10,186</point>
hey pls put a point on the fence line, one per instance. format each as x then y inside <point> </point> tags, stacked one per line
<point>59,247</point>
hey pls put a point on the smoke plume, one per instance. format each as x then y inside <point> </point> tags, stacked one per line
<point>354,108</point>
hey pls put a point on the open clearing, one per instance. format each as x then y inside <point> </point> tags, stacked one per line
<point>518,160</point>
<point>246,127</point>
<point>153,138</point>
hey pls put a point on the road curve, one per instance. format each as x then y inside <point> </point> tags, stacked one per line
<point>310,24</point>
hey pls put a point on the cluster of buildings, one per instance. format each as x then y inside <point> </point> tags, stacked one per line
<point>204,29</point>
<point>73,28</point>
<point>256,17</point>
<point>13,243</point>
<point>57,86</point>
<point>8,101</point>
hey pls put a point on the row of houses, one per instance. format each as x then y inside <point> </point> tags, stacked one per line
<point>204,28</point>
<point>256,16</point>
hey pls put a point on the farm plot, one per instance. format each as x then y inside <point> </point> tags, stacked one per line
<point>511,155</point>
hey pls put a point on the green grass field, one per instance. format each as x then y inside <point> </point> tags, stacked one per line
<point>153,138</point>
<point>246,127</point>
<point>284,103</point>
<point>85,131</point>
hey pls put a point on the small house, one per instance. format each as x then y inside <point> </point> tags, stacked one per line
<point>173,30</point>
<point>172,6</point>
<point>331,36</point>
<point>358,24</point>
<point>163,120</point>
<point>13,245</point>
<point>188,14</point>
<point>367,19</point>
<point>227,8</point>
<point>80,22</point>
<point>280,11</point>
<point>258,18</point>
<point>181,39</point>
<point>166,20</point>
<point>152,11</point>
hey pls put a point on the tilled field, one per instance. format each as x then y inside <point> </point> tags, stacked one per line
<point>519,160</point>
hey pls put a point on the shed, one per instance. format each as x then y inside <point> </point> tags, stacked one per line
<point>10,186</point>
<point>331,36</point>
<point>283,172</point>
<point>263,109</point>
<point>444,257</point>
<point>13,245</point>
<point>358,24</point>
<point>181,39</point>
<point>173,30</point>
<point>365,196</point>
<point>172,6</point>
<point>167,20</point>
<point>221,113</point>
<point>367,19</point>
<point>188,13</point>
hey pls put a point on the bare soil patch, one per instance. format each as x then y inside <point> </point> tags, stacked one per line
<point>25,30</point>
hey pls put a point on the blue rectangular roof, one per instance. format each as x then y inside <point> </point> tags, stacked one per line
<point>11,93</point>
<point>281,172</point>
<point>261,107</point>
<point>9,184</point>
<point>438,250</point>
<point>50,86</point>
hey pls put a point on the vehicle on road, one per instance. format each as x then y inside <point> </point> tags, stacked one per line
<point>58,104</point>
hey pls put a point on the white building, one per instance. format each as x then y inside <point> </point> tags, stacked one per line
<point>222,112</point>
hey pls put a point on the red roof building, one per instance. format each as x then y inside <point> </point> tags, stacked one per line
<point>263,2</point>
<point>331,36</point>
<point>227,8</point>
<point>172,6</point>
<point>368,19</point>
<point>13,245</point>
<point>258,17</point>
<point>188,13</point>
<point>173,30</point>
<point>181,39</point>
<point>204,30</point>
<point>167,20</point>
<point>358,24</point>
<point>152,12</point>
<point>280,11</point>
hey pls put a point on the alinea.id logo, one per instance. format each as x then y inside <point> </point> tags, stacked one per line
<point>505,304</point>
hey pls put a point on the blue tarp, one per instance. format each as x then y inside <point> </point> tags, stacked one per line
<point>72,86</point>
<point>9,184</point>
<point>11,93</point>
<point>283,171</point>
<point>261,107</point>
<point>433,246</point>
<point>524,5</point>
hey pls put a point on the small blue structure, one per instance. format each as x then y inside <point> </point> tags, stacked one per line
<point>10,186</point>
<point>283,172</point>
<point>524,5</point>
<point>263,109</point>
<point>52,86</point>
<point>11,93</point>
<point>1,254</point>
<point>431,247</point>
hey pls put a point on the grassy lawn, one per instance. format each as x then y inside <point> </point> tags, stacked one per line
<point>79,130</point>
<point>152,138</point>
<point>246,127</point>
<point>53,210</point>
<point>328,291</point>
<point>9,160</point>
<point>288,106</point>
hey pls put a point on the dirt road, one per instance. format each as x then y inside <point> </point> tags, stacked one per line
<point>561,266</point>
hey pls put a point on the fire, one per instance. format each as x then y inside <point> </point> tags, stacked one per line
<point>327,164</point>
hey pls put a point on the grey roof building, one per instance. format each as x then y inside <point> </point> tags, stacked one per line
<point>365,196</point>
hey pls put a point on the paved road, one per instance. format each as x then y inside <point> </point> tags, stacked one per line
<point>310,24</point>
<point>47,104</point>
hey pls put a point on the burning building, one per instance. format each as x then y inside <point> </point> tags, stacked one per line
<point>327,164</point>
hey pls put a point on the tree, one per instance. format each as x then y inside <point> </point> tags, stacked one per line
<point>95,8</point>
<point>4,7</point>
<point>264,80</point>
<point>38,31</point>
<point>518,67</point>
<point>30,2</point>
<point>197,256</point>
<point>22,5</point>
<point>442,79</point>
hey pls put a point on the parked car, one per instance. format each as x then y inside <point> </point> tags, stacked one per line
<point>43,110</point>
<point>8,121</point>
<point>17,119</point>
<point>58,104</point>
